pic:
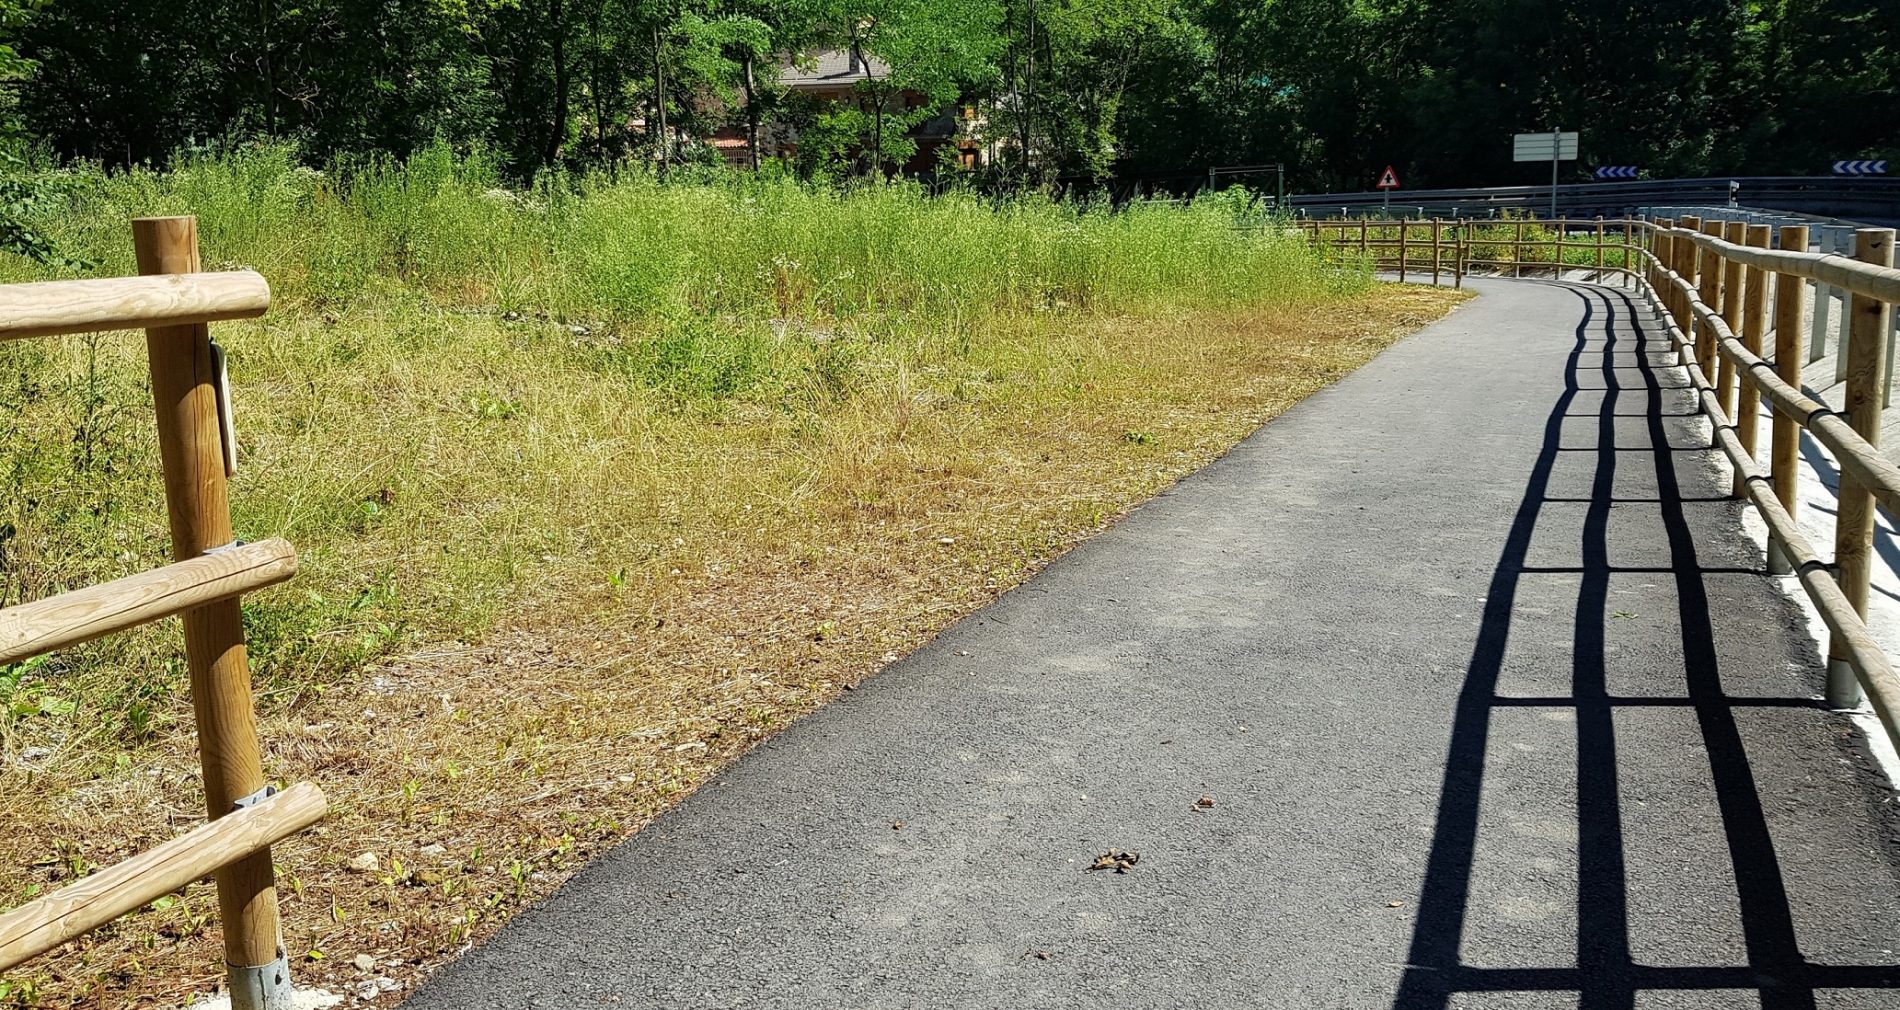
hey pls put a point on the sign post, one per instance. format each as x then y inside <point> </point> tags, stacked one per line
<point>1388,181</point>
<point>1554,146</point>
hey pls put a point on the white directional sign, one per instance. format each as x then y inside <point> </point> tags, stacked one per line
<point>1860,168</point>
<point>1554,145</point>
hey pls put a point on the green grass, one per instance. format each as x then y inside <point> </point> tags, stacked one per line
<point>466,397</point>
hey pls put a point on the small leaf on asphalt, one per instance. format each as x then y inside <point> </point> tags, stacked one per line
<point>1114,859</point>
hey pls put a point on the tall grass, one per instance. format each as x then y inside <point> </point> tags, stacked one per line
<point>630,248</point>
<point>466,395</point>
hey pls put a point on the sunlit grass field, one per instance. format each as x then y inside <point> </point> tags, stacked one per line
<point>593,486</point>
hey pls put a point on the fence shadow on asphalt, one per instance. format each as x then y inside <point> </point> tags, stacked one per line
<point>1606,975</point>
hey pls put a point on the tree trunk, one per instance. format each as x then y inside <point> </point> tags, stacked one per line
<point>594,86</point>
<point>877,134</point>
<point>270,69</point>
<point>558,130</point>
<point>659,96</point>
<point>1027,95</point>
<point>751,112</point>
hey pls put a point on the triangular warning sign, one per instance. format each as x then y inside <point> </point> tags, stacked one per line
<point>1388,179</point>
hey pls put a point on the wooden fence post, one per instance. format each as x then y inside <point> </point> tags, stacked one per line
<point>191,446</point>
<point>1403,252</point>
<point>1599,248</point>
<point>1435,237</point>
<point>1734,233</point>
<point>1844,240</point>
<point>1754,329</point>
<point>1517,250</point>
<point>1459,256</point>
<point>1709,286</point>
<point>1630,257</point>
<point>1854,523</point>
<point>1681,260</point>
<point>1362,236</point>
<point>1660,244</point>
<point>1823,304</point>
<point>1785,456</point>
<point>1684,266</point>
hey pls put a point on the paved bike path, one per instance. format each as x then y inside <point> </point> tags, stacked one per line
<point>1491,698</point>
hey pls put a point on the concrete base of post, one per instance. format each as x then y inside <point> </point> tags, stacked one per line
<point>1843,688</point>
<point>264,987</point>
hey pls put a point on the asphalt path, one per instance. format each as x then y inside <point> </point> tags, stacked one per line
<point>1491,699</point>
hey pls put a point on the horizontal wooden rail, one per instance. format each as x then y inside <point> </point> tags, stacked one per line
<point>76,909</point>
<point>1867,279</point>
<point>1866,463</point>
<point>49,308</point>
<point>85,614</point>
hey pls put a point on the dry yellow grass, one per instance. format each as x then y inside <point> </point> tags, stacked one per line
<point>770,563</point>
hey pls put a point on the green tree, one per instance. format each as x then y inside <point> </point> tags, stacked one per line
<point>935,51</point>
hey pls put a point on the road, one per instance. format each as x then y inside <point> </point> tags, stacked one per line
<point>1492,702</point>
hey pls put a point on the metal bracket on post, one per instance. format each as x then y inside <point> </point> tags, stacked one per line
<point>255,798</point>
<point>1843,687</point>
<point>263,987</point>
<point>227,422</point>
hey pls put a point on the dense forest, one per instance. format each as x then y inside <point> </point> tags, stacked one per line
<point>1335,89</point>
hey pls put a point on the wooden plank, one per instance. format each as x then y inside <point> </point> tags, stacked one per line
<point>192,447</point>
<point>82,615</point>
<point>48,308</point>
<point>78,908</point>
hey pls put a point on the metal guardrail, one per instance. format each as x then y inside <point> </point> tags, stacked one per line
<point>1843,197</point>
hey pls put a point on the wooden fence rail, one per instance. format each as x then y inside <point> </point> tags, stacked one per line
<point>68,619</point>
<point>172,301</point>
<point>50,308</point>
<point>1725,294</point>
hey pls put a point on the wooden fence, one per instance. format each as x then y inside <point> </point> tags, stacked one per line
<point>1729,293</point>
<point>172,301</point>
<point>1453,249</point>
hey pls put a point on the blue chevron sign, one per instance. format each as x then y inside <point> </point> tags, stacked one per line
<point>1860,168</point>
<point>1616,172</point>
